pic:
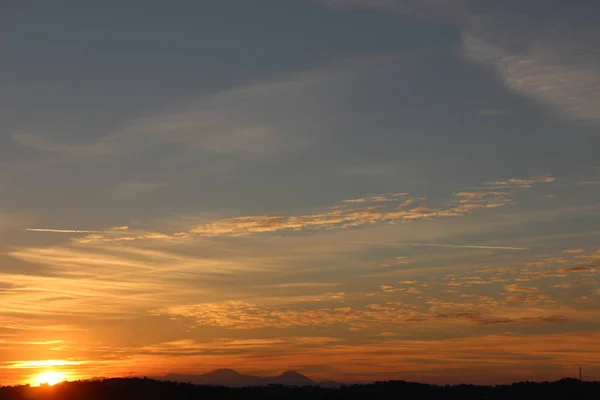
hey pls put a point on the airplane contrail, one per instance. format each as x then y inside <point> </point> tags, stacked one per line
<point>63,230</point>
<point>465,246</point>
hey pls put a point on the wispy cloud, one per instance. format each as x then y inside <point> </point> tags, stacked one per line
<point>254,121</point>
<point>574,251</point>
<point>464,246</point>
<point>387,208</point>
<point>542,74</point>
<point>557,69</point>
<point>103,282</point>
<point>43,363</point>
<point>49,230</point>
<point>521,183</point>
<point>396,208</point>
<point>381,198</point>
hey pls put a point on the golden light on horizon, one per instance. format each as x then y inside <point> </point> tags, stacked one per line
<point>49,377</point>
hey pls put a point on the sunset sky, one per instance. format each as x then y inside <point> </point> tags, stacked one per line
<point>354,189</point>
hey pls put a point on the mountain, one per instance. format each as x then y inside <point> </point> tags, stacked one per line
<point>232,378</point>
<point>219,377</point>
<point>228,377</point>
<point>290,378</point>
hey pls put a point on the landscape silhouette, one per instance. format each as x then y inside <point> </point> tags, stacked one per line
<point>291,385</point>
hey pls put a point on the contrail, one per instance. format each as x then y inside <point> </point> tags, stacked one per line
<point>63,230</point>
<point>465,247</point>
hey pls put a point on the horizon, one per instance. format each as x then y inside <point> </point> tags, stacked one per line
<point>149,388</point>
<point>193,379</point>
<point>357,190</point>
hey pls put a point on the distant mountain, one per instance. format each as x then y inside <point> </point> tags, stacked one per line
<point>290,378</point>
<point>228,377</point>
<point>232,378</point>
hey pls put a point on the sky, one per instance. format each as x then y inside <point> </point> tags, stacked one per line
<point>357,190</point>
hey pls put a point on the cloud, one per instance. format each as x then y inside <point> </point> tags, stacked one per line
<point>223,286</point>
<point>102,286</point>
<point>565,285</point>
<point>464,246</point>
<point>574,251</point>
<point>304,285</point>
<point>104,282</point>
<point>514,288</point>
<point>48,230</point>
<point>355,201</point>
<point>550,78</point>
<point>260,224</point>
<point>387,208</point>
<point>409,302</point>
<point>254,121</point>
<point>39,142</point>
<point>380,198</point>
<point>480,311</point>
<point>190,347</point>
<point>42,363</point>
<point>560,71</point>
<point>400,260</point>
<point>482,195</point>
<point>245,316</point>
<point>397,208</point>
<point>520,183</point>
<point>501,357</point>
<point>556,65</point>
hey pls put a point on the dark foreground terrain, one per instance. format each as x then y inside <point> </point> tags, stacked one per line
<point>116,389</point>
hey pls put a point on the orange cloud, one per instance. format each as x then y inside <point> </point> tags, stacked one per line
<point>396,209</point>
<point>521,183</point>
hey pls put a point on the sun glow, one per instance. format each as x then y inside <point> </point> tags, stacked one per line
<point>49,377</point>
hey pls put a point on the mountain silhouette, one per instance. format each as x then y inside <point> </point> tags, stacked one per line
<point>232,378</point>
<point>291,378</point>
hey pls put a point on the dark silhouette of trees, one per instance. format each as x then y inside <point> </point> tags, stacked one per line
<point>149,389</point>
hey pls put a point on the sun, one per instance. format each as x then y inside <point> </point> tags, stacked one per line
<point>49,377</point>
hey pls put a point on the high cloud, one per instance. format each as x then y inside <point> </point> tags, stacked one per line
<point>396,208</point>
<point>253,121</point>
<point>556,65</point>
<point>390,208</point>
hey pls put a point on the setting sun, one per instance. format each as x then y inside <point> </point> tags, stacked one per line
<point>50,377</point>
